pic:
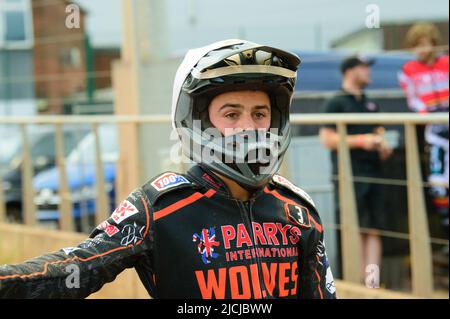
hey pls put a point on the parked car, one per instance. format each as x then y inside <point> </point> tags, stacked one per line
<point>81,177</point>
<point>42,154</point>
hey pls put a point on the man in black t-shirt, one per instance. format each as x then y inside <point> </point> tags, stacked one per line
<point>367,149</point>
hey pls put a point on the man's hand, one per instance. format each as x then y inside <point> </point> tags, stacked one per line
<point>385,150</point>
<point>370,142</point>
<point>375,142</point>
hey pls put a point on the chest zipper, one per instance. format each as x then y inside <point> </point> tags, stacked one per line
<point>246,213</point>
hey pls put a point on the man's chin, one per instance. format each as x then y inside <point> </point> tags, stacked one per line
<point>364,85</point>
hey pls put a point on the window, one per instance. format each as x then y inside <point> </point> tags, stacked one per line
<point>15,24</point>
<point>70,57</point>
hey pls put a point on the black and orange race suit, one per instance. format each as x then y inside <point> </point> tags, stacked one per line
<point>188,238</point>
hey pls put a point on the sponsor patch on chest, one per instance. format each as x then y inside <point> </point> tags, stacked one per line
<point>168,180</point>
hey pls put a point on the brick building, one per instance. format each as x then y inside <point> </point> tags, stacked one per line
<point>59,54</point>
<point>103,57</point>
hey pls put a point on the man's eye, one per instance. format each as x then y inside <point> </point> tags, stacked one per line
<point>231,115</point>
<point>260,115</point>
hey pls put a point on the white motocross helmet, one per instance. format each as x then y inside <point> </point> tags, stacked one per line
<point>226,66</point>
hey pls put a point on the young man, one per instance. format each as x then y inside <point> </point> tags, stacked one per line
<point>368,148</point>
<point>425,82</point>
<point>230,227</point>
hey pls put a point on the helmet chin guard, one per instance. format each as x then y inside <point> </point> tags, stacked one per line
<point>250,157</point>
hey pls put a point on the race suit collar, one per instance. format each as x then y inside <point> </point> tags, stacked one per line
<point>207,178</point>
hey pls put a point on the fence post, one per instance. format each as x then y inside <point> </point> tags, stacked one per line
<point>2,202</point>
<point>127,169</point>
<point>65,202</point>
<point>101,203</point>
<point>350,236</point>
<point>29,207</point>
<point>421,263</point>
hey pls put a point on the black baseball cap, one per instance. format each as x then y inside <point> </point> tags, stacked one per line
<point>355,60</point>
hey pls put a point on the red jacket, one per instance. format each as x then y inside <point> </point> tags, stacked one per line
<point>426,86</point>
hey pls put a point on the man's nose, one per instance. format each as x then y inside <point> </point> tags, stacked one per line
<point>247,123</point>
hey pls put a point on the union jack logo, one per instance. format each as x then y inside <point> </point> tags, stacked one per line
<point>206,243</point>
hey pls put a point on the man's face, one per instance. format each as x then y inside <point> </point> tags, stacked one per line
<point>361,74</point>
<point>237,111</point>
<point>424,49</point>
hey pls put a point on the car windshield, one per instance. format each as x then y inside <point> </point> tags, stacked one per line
<point>84,153</point>
<point>11,140</point>
<point>41,139</point>
<point>9,146</point>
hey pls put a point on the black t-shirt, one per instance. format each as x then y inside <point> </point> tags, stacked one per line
<point>363,162</point>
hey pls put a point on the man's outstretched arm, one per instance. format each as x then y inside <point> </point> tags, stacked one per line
<point>76,272</point>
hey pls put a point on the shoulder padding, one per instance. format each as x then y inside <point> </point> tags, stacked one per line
<point>165,183</point>
<point>285,183</point>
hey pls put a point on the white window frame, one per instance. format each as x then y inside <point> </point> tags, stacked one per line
<point>22,6</point>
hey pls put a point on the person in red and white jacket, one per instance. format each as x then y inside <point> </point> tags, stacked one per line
<point>425,82</point>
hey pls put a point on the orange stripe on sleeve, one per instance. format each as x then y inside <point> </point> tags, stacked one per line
<point>318,285</point>
<point>45,270</point>
<point>318,278</point>
<point>42,273</point>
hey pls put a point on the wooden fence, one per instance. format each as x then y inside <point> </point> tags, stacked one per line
<point>421,260</point>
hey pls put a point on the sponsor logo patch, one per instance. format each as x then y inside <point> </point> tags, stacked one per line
<point>90,243</point>
<point>109,229</point>
<point>299,215</point>
<point>331,287</point>
<point>103,225</point>
<point>125,210</point>
<point>132,234</point>
<point>206,243</point>
<point>69,250</point>
<point>168,180</point>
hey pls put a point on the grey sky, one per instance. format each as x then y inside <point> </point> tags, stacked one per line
<point>104,21</point>
<point>292,24</point>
